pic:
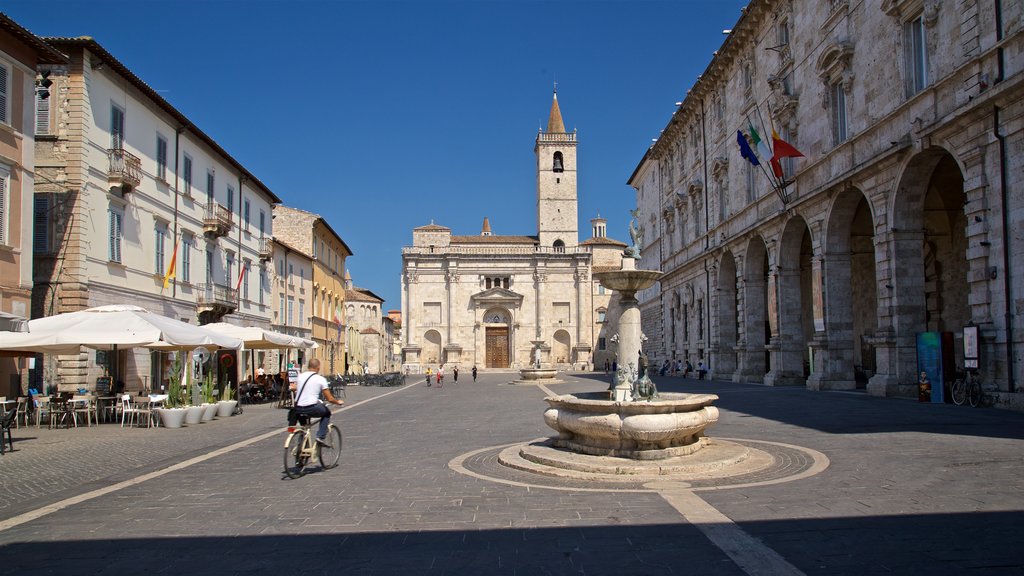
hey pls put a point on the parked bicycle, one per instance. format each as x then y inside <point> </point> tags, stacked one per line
<point>301,448</point>
<point>968,388</point>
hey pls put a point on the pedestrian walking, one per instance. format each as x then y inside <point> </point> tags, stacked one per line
<point>701,370</point>
<point>440,376</point>
<point>455,374</point>
<point>474,373</point>
<point>428,377</point>
<point>607,366</point>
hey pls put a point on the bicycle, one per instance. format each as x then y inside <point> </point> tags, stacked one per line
<point>969,389</point>
<point>301,448</point>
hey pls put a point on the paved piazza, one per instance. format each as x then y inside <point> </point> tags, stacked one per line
<point>859,485</point>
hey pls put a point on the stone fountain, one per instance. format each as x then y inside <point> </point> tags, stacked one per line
<point>631,420</point>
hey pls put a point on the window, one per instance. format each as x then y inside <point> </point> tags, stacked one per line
<point>231,200</point>
<point>42,112</point>
<point>302,312</point>
<point>263,283</point>
<point>41,224</point>
<point>600,315</point>
<point>837,101</point>
<point>291,310</point>
<point>602,344</point>
<point>245,278</point>
<point>5,202</point>
<point>5,90</point>
<point>209,187</point>
<point>783,32</point>
<point>686,323</point>
<point>116,127</point>
<point>600,288</point>
<point>115,232</point>
<point>186,257</point>
<point>209,266</point>
<point>280,309</point>
<point>161,158</point>
<point>263,224</point>
<point>557,164</point>
<point>229,268</point>
<point>916,55</point>
<point>559,246</point>
<point>187,174</point>
<point>160,236</point>
<point>245,212</point>
<point>751,182</point>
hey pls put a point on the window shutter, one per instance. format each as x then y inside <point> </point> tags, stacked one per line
<point>41,225</point>
<point>5,79</point>
<point>42,115</point>
<point>111,236</point>
<point>4,177</point>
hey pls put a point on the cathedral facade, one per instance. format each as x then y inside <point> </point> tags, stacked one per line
<point>505,302</point>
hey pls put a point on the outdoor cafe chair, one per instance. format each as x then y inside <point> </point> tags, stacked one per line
<point>23,412</point>
<point>5,429</point>
<point>60,411</point>
<point>85,406</point>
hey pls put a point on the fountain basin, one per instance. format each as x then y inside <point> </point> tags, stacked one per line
<point>627,280</point>
<point>538,373</point>
<point>669,426</point>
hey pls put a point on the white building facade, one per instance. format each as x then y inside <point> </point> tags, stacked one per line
<point>129,186</point>
<point>902,217</point>
<point>505,302</point>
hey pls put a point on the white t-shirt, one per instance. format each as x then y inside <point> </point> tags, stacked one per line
<point>310,388</point>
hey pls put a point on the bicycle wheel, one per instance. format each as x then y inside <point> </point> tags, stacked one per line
<point>974,394</point>
<point>330,454</point>
<point>294,459</point>
<point>959,392</point>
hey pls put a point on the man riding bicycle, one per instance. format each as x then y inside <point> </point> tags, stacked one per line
<point>307,400</point>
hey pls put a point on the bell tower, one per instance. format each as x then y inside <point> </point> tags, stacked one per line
<point>556,182</point>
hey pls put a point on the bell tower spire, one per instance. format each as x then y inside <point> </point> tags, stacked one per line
<point>556,182</point>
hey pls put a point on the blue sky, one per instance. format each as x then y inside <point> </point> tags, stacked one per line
<point>384,116</point>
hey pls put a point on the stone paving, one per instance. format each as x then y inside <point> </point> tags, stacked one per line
<point>910,488</point>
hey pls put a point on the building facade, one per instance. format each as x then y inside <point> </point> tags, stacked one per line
<point>292,287</point>
<point>502,301</point>
<point>310,234</point>
<point>20,88</point>
<point>134,203</point>
<point>367,353</point>
<point>901,218</point>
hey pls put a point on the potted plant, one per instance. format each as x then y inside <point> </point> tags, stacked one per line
<point>226,406</point>
<point>172,414</point>
<point>195,410</point>
<point>209,398</point>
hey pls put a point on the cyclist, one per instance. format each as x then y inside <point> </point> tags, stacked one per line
<point>308,389</point>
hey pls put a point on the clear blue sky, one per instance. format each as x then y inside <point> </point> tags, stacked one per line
<point>383,116</point>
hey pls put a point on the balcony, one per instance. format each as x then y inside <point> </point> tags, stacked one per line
<point>217,221</point>
<point>266,249</point>
<point>125,170</point>
<point>214,301</point>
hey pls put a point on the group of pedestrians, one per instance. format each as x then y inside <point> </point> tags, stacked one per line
<point>439,375</point>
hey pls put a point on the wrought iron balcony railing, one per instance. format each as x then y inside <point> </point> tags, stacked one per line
<point>125,169</point>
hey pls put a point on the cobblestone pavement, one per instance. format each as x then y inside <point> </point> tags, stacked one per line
<point>911,488</point>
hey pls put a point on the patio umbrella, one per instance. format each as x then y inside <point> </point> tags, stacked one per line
<point>110,327</point>
<point>12,323</point>
<point>258,338</point>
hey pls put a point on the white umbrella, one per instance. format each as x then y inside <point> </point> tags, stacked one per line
<point>258,338</point>
<point>106,327</point>
<point>12,323</point>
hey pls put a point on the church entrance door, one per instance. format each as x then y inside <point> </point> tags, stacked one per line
<point>497,347</point>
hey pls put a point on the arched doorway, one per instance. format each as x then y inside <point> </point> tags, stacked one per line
<point>497,338</point>
<point>795,327</point>
<point>432,347</point>
<point>728,320</point>
<point>930,288</point>
<point>754,360</point>
<point>560,350</point>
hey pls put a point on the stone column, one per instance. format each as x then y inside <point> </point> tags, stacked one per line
<point>833,344</point>
<point>786,345</point>
<point>750,355</point>
<point>900,313</point>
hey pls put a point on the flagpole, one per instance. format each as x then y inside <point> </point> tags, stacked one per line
<point>771,177</point>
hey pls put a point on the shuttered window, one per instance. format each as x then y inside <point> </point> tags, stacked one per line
<point>116,128</point>
<point>5,89</point>
<point>116,233</point>
<point>231,200</point>
<point>5,185</point>
<point>41,224</point>
<point>160,236</point>
<point>187,174</point>
<point>186,257</point>
<point>42,114</point>
<point>209,187</point>
<point>161,158</point>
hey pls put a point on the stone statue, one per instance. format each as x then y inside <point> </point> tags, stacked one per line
<point>636,234</point>
<point>642,363</point>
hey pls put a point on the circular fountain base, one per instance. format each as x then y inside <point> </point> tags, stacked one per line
<point>538,376</point>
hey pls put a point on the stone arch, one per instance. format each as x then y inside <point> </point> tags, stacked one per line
<point>754,361</point>
<point>432,347</point>
<point>794,329</point>
<point>929,245</point>
<point>561,348</point>
<point>850,289</point>
<point>728,317</point>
